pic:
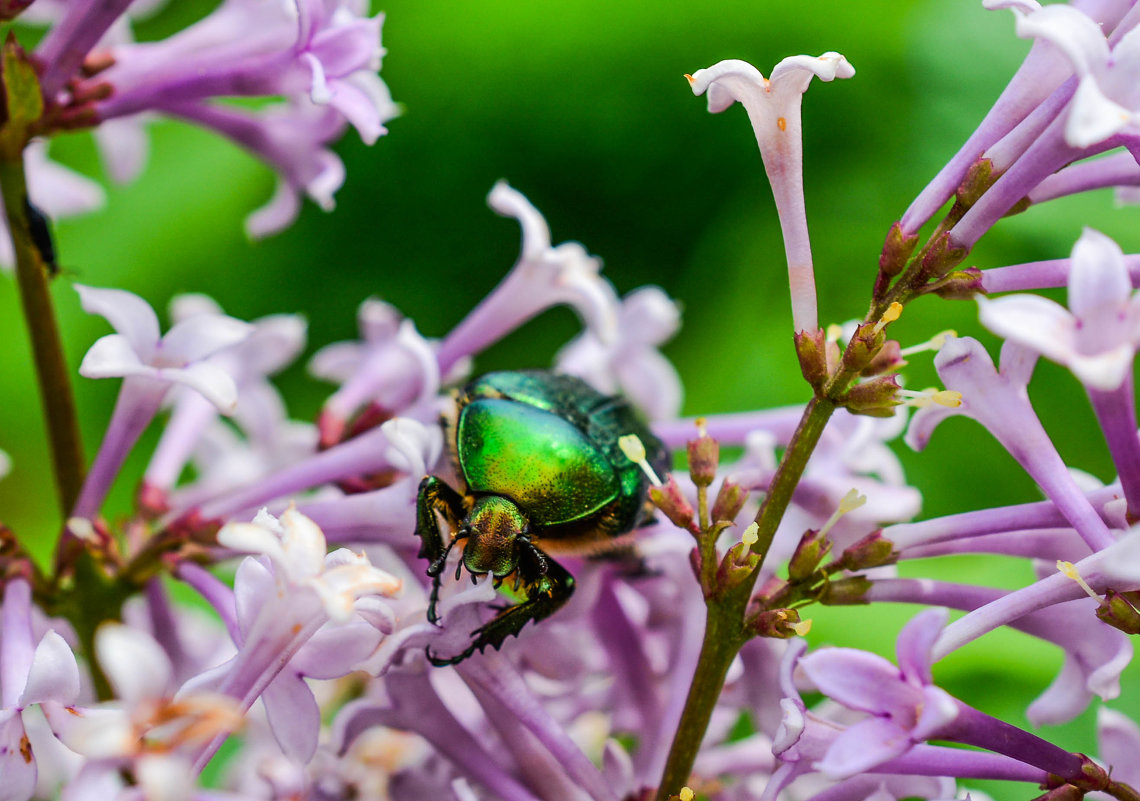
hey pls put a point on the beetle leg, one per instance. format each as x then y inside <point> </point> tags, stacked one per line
<point>546,593</point>
<point>435,495</point>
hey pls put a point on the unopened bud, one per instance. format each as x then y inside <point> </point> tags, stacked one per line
<point>979,178</point>
<point>896,251</point>
<point>876,397</point>
<point>672,502</point>
<point>1066,792</point>
<point>941,258</point>
<point>736,566</point>
<point>811,348</point>
<point>704,456</point>
<point>959,285</point>
<point>874,550</point>
<point>781,624</point>
<point>729,501</point>
<point>888,360</point>
<point>1117,612</point>
<point>10,9</point>
<point>809,553</point>
<point>850,591</point>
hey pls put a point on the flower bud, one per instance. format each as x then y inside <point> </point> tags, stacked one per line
<point>959,285</point>
<point>811,348</point>
<point>850,591</point>
<point>782,624</point>
<point>673,504</point>
<point>877,397</point>
<point>887,360</point>
<point>704,456</point>
<point>873,550</point>
<point>809,553</point>
<point>979,178</point>
<point>1117,611</point>
<point>1066,792</point>
<point>896,251</point>
<point>940,259</point>
<point>729,501</point>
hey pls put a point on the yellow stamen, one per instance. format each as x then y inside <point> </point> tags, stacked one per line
<point>802,628</point>
<point>943,397</point>
<point>893,312</point>
<point>82,528</point>
<point>702,427</point>
<point>686,794</point>
<point>834,332</point>
<point>689,78</point>
<point>1070,571</point>
<point>634,450</point>
<point>750,535</point>
<point>934,343</point>
<point>848,503</point>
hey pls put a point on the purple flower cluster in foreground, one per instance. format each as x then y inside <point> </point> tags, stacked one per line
<point>314,657</point>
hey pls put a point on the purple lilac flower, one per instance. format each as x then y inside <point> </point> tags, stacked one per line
<point>773,106</point>
<point>149,364</point>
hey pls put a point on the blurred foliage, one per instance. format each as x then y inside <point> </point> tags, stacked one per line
<point>582,106</point>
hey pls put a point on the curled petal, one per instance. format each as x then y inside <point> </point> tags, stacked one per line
<point>868,743</point>
<point>214,383</point>
<point>127,313</point>
<point>54,675</point>
<point>202,335</point>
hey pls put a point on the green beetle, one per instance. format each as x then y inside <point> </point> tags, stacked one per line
<point>538,455</point>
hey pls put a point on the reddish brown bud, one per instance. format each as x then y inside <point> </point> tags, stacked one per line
<point>673,504</point>
<point>876,397</point>
<point>811,348</point>
<point>887,360</point>
<point>850,591</point>
<point>896,251</point>
<point>873,550</point>
<point>959,285</point>
<point>1117,612</point>
<point>729,501</point>
<point>781,624</point>
<point>809,553</point>
<point>704,456</point>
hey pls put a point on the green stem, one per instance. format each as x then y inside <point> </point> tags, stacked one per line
<point>721,643</point>
<point>724,627</point>
<point>52,373</point>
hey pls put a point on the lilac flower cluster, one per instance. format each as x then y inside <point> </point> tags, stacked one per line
<point>678,667</point>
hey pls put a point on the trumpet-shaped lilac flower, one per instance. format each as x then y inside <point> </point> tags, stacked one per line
<point>773,106</point>
<point>543,276</point>
<point>43,674</point>
<point>273,343</point>
<point>150,364</point>
<point>1105,62</point>
<point>999,400</point>
<point>905,706</point>
<point>631,365</point>
<point>1097,336</point>
<point>393,367</point>
<point>299,612</point>
<point>325,50</point>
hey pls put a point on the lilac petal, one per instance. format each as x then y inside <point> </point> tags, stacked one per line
<point>202,335</point>
<point>335,651</point>
<point>293,715</point>
<point>54,675</point>
<point>512,203</point>
<point>211,381</point>
<point>17,764</point>
<point>1098,278</point>
<point>16,649</point>
<point>912,649</point>
<point>127,313</point>
<point>868,743</point>
<point>1093,116</point>
<point>336,362</point>
<point>366,111</point>
<point>135,664</point>
<point>1042,324</point>
<point>1071,31</point>
<point>938,709</point>
<point>861,680</point>
<point>1064,699</point>
<point>57,190</point>
<point>277,214</point>
<point>124,147</point>
<point>1119,740</point>
<point>111,356</point>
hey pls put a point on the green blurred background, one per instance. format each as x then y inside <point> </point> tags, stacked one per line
<point>582,106</point>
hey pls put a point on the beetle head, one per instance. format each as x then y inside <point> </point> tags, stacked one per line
<point>493,528</point>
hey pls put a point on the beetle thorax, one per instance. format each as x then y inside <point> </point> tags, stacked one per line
<point>493,528</point>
